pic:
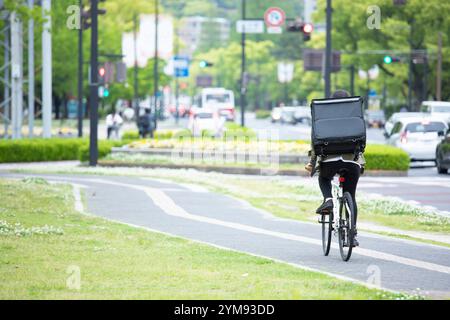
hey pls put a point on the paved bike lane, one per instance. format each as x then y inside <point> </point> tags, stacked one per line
<point>220,220</point>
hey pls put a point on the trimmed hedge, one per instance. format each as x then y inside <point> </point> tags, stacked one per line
<point>55,149</point>
<point>104,148</point>
<point>34,150</point>
<point>378,157</point>
<point>159,134</point>
<point>262,114</point>
<point>383,157</point>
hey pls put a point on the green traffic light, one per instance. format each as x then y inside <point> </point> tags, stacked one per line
<point>203,64</point>
<point>387,59</point>
<point>105,93</point>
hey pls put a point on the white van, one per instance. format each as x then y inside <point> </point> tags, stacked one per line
<point>439,109</point>
<point>219,100</point>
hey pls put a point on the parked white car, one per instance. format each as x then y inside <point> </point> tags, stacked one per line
<point>418,136</point>
<point>202,120</point>
<point>395,117</point>
<point>275,115</point>
<point>439,109</point>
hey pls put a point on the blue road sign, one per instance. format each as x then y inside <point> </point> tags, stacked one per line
<point>181,66</point>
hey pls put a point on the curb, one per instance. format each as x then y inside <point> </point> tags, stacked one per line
<point>240,170</point>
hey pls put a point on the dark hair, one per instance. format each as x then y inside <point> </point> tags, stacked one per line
<point>340,94</point>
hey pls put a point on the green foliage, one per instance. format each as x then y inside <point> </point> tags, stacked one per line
<point>55,149</point>
<point>411,26</point>
<point>104,148</point>
<point>30,150</point>
<point>382,157</point>
<point>262,114</point>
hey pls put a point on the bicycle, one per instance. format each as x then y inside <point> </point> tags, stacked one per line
<point>340,222</point>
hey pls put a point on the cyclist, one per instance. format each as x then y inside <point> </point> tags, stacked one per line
<point>330,165</point>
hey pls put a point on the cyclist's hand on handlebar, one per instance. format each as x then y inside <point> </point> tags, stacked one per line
<point>309,167</point>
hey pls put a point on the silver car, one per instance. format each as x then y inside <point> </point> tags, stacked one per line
<point>418,136</point>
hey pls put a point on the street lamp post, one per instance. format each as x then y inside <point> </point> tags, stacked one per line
<point>327,76</point>
<point>243,85</point>
<point>93,146</point>
<point>155,66</point>
<point>80,73</point>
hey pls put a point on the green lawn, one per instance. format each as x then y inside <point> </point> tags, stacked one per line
<point>42,237</point>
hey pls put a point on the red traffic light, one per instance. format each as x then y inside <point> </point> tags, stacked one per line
<point>102,72</point>
<point>308,28</point>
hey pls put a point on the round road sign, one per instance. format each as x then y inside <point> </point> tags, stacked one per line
<point>274,17</point>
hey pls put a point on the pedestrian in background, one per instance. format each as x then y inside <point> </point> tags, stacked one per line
<point>113,123</point>
<point>146,124</point>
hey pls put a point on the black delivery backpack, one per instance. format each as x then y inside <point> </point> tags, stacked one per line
<point>338,126</point>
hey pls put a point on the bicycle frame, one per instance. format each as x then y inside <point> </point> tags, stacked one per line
<point>337,192</point>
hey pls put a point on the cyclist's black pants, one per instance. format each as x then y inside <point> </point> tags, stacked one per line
<point>329,169</point>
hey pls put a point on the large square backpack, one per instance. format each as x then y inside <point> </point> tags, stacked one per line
<point>338,126</point>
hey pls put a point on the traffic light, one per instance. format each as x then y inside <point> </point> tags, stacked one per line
<point>106,92</point>
<point>205,64</point>
<point>390,59</point>
<point>307,30</point>
<point>299,26</point>
<point>86,16</point>
<point>102,75</point>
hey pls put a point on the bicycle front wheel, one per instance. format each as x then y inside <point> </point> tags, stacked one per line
<point>327,228</point>
<point>346,229</point>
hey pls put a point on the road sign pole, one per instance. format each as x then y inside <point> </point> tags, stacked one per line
<point>30,72</point>
<point>155,66</point>
<point>93,146</point>
<point>47,70</point>
<point>136,79</point>
<point>327,75</point>
<point>80,73</point>
<point>16,76</point>
<point>243,89</point>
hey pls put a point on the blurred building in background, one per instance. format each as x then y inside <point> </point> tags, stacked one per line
<point>194,30</point>
<point>145,40</point>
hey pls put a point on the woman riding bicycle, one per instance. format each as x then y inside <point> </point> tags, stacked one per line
<point>333,164</point>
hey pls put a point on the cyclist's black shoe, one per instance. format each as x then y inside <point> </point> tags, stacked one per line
<point>326,207</point>
<point>355,242</point>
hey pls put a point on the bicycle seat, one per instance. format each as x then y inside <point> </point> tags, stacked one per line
<point>342,172</point>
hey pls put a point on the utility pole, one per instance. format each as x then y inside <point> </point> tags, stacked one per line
<point>80,72</point>
<point>243,84</point>
<point>425,77</point>
<point>16,76</point>
<point>47,70</point>
<point>177,82</point>
<point>136,81</point>
<point>6,73</point>
<point>93,146</point>
<point>155,65</point>
<point>352,80</point>
<point>410,66</point>
<point>327,75</point>
<point>30,72</point>
<point>439,68</point>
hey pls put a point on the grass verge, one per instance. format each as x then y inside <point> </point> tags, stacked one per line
<point>116,261</point>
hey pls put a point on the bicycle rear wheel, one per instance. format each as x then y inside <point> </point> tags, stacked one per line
<point>327,229</point>
<point>346,229</point>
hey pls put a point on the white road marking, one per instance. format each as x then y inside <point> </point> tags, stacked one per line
<point>77,197</point>
<point>171,208</point>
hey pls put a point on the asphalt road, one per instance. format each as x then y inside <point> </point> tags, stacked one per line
<point>192,212</point>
